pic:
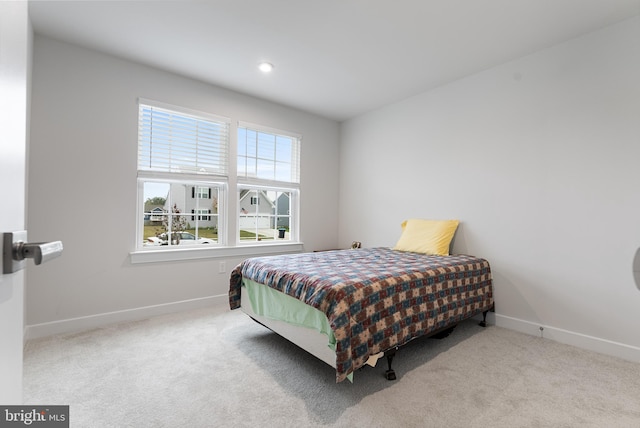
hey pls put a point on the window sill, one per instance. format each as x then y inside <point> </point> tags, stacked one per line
<point>154,256</point>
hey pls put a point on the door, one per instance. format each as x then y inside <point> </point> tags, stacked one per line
<point>14,41</point>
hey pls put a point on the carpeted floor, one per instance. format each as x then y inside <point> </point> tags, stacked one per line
<point>215,368</point>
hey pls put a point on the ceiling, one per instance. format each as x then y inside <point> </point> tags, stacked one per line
<point>334,58</point>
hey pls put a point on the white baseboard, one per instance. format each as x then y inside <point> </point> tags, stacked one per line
<point>579,340</point>
<point>100,320</point>
<point>602,346</point>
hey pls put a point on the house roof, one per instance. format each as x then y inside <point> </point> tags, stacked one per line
<point>244,193</point>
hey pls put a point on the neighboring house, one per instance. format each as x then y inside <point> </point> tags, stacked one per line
<point>199,205</point>
<point>284,201</point>
<point>256,210</point>
<point>153,216</point>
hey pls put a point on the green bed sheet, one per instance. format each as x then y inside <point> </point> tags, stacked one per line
<point>273,304</point>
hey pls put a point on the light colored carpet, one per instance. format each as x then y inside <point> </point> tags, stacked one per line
<point>215,368</point>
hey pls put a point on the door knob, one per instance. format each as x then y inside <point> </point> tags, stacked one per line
<point>15,250</point>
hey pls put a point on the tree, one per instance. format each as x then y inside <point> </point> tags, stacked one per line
<point>156,201</point>
<point>174,223</point>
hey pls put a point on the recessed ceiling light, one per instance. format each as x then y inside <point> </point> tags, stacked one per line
<point>265,67</point>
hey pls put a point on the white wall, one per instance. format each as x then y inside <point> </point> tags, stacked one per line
<point>82,185</point>
<point>540,160</point>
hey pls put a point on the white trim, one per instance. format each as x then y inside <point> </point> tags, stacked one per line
<point>255,250</point>
<point>100,320</point>
<point>579,340</point>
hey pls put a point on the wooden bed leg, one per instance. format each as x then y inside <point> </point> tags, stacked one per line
<point>390,374</point>
<point>483,323</point>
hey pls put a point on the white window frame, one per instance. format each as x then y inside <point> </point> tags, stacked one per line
<point>292,186</point>
<point>294,230</point>
<point>221,214</point>
<point>178,154</point>
<point>228,244</point>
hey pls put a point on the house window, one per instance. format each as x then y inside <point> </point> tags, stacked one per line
<point>201,214</point>
<point>182,176</point>
<point>268,184</point>
<point>201,192</point>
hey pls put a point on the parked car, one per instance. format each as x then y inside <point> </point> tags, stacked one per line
<point>184,238</point>
<point>152,241</point>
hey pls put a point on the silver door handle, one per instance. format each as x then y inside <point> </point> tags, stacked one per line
<point>15,250</point>
<point>39,251</point>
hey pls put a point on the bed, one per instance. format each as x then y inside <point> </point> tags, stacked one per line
<point>362,303</point>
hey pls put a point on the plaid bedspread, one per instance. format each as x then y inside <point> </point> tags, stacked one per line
<point>375,298</point>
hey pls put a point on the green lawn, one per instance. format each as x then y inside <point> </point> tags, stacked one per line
<point>206,232</point>
<point>210,233</point>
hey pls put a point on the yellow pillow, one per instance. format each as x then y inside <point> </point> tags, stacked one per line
<point>427,236</point>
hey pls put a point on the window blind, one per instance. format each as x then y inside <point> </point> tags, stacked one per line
<point>176,142</point>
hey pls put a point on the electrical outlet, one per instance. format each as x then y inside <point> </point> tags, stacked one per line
<point>222,267</point>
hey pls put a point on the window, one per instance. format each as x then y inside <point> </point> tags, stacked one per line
<point>184,184</point>
<point>172,142</point>
<point>267,221</point>
<point>201,214</point>
<point>268,156</point>
<point>268,184</point>
<point>182,175</point>
<point>201,192</point>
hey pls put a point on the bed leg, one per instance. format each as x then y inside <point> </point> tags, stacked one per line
<point>483,323</point>
<point>390,374</point>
